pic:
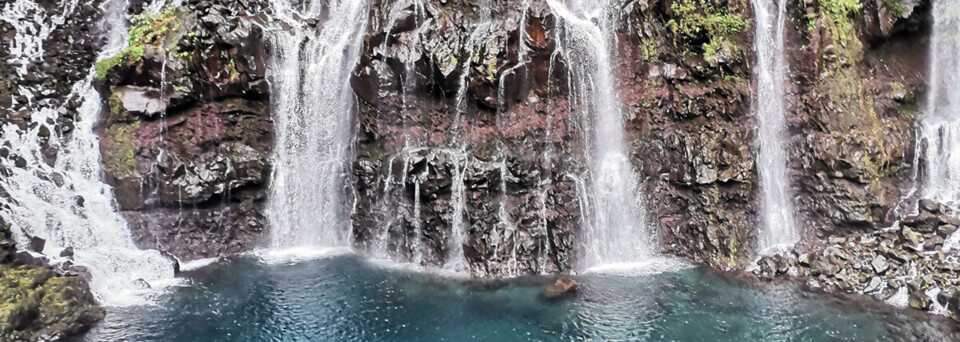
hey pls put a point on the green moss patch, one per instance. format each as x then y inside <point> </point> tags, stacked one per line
<point>119,156</point>
<point>147,29</point>
<point>36,302</point>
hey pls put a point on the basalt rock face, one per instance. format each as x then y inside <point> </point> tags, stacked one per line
<point>858,81</point>
<point>465,104</point>
<point>461,128</point>
<point>685,81</point>
<point>467,131</point>
<point>186,130</point>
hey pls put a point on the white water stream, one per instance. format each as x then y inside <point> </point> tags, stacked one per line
<point>941,123</point>
<point>312,107</point>
<point>80,212</point>
<point>614,231</point>
<point>778,229</point>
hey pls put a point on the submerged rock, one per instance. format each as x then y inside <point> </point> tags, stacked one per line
<point>562,288</point>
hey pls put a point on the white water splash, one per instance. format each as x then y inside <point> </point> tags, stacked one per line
<point>614,231</point>
<point>312,105</point>
<point>778,229</point>
<point>79,212</point>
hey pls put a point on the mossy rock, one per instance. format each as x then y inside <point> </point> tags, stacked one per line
<point>160,31</point>
<point>36,304</point>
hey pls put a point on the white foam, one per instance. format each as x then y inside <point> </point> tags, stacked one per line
<point>414,268</point>
<point>298,254</point>
<point>197,264</point>
<point>649,267</point>
<point>900,299</point>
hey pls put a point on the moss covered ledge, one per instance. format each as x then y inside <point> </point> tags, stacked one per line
<point>156,31</point>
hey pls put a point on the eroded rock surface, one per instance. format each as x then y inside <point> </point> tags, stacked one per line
<point>186,131</point>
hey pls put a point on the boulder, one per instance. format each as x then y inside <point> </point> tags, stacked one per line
<point>926,222</point>
<point>911,239</point>
<point>563,287</point>
<point>37,244</point>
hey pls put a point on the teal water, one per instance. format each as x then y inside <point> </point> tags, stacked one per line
<point>346,298</point>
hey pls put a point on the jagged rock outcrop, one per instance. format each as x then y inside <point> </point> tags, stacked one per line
<point>186,129</point>
<point>455,129</point>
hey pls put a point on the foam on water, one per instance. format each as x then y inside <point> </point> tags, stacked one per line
<point>644,268</point>
<point>298,254</point>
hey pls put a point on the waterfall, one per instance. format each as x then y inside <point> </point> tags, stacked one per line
<point>67,204</point>
<point>778,229</point>
<point>941,124</point>
<point>614,229</point>
<point>312,105</point>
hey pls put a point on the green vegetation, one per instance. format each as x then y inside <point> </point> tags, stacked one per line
<point>706,23</point>
<point>147,29</point>
<point>896,8</point>
<point>121,159</point>
<point>837,14</point>
<point>34,302</point>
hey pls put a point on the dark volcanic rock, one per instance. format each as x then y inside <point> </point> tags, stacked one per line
<point>189,159</point>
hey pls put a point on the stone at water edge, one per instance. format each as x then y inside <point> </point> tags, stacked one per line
<point>563,287</point>
<point>920,301</point>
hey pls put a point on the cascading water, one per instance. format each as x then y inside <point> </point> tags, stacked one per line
<point>614,231</point>
<point>312,105</point>
<point>66,204</point>
<point>941,124</point>
<point>778,229</point>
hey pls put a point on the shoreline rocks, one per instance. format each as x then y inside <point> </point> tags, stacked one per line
<point>884,263</point>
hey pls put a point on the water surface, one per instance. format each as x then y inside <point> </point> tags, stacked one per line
<point>346,298</point>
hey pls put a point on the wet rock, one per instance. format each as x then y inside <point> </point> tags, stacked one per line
<point>804,259</point>
<point>562,288</point>
<point>926,222</point>
<point>919,301</point>
<point>929,205</point>
<point>912,239</point>
<point>67,252</point>
<point>37,244</point>
<point>873,285</point>
<point>141,101</point>
<point>823,267</point>
<point>946,230</point>
<point>934,242</point>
